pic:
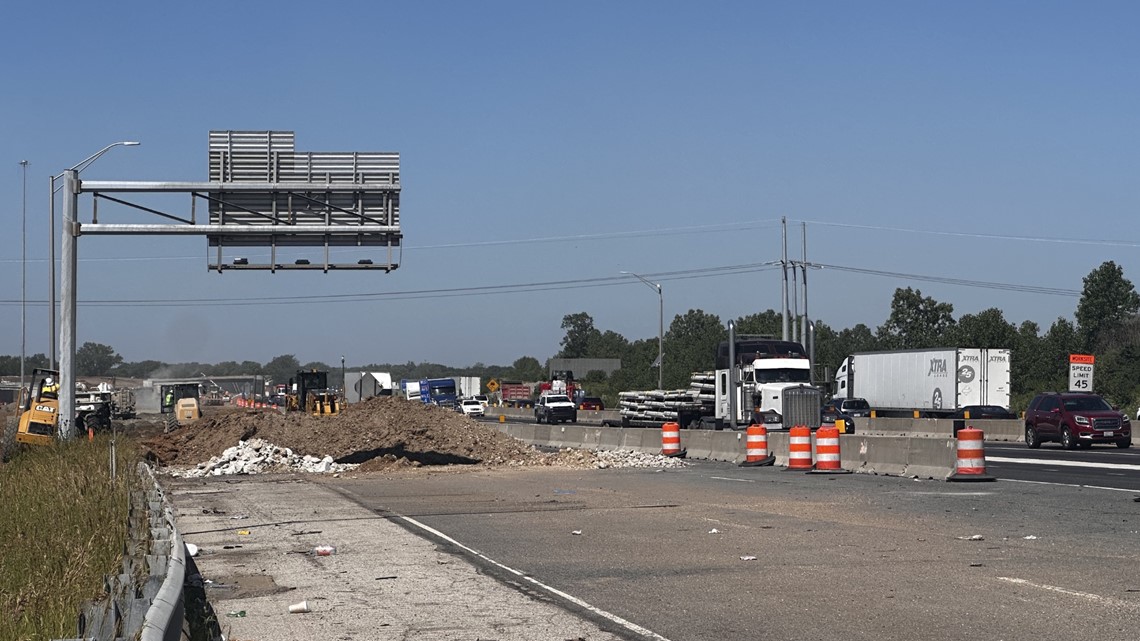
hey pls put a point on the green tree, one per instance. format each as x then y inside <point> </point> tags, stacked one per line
<point>1058,343</point>
<point>637,371</point>
<point>527,369</point>
<point>768,323</point>
<point>580,333</point>
<point>847,342</point>
<point>282,368</point>
<point>987,328</point>
<point>95,359</point>
<point>1108,298</point>
<point>690,346</point>
<point>916,322</point>
<point>1030,367</point>
<point>607,344</point>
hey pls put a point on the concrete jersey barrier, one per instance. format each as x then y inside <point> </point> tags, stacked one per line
<point>929,456</point>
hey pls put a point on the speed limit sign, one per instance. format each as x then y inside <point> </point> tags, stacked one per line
<point>1081,372</point>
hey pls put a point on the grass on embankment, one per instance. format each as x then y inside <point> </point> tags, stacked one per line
<point>63,526</point>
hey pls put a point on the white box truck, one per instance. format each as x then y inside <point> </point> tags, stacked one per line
<point>934,382</point>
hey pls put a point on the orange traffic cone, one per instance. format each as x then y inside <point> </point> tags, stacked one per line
<point>671,440</point>
<point>756,447</point>
<point>971,456</point>
<point>799,448</point>
<point>827,452</point>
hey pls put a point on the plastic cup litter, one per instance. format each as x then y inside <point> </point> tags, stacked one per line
<point>299,608</point>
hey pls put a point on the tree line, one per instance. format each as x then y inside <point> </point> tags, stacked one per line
<point>1107,325</point>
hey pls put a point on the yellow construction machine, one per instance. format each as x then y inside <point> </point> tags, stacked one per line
<point>181,401</point>
<point>38,419</point>
<point>310,392</point>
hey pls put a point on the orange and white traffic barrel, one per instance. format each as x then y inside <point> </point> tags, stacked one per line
<point>799,448</point>
<point>671,440</point>
<point>756,447</point>
<point>971,464</point>
<point>827,452</point>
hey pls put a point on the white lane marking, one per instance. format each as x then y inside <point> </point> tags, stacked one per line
<point>1087,487</point>
<point>727,478</point>
<point>1033,461</point>
<point>629,625</point>
<point>1084,595</point>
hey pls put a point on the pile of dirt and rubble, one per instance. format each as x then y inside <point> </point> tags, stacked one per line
<point>378,434</point>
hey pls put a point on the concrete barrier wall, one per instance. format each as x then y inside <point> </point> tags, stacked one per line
<point>994,429</point>
<point>927,456</point>
<point>585,416</point>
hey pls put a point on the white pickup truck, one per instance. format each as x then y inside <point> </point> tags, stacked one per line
<point>552,408</point>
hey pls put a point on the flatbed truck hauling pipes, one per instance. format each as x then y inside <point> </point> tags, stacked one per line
<point>932,382</point>
<point>758,379</point>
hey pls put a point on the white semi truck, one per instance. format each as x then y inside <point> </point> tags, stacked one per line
<point>933,382</point>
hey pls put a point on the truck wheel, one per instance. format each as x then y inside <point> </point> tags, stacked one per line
<point>1124,443</point>
<point>1031,440</point>
<point>538,418</point>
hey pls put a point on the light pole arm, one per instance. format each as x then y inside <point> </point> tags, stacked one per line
<point>83,164</point>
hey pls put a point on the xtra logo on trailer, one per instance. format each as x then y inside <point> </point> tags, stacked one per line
<point>937,368</point>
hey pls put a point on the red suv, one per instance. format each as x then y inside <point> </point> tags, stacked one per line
<point>1075,418</point>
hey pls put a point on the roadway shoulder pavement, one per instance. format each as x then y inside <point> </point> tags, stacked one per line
<point>256,538</point>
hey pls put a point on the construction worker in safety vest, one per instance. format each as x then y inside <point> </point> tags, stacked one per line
<point>168,401</point>
<point>50,388</point>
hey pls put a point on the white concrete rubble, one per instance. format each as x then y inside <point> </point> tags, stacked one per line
<point>256,456</point>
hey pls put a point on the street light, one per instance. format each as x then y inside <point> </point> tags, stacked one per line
<point>343,380</point>
<point>51,237</point>
<point>23,269</point>
<point>660,328</point>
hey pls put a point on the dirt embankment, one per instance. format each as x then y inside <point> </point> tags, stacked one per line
<point>378,433</point>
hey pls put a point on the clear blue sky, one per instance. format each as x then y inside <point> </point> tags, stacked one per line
<point>571,141</point>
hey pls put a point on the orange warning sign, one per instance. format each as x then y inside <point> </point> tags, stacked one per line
<point>1083,359</point>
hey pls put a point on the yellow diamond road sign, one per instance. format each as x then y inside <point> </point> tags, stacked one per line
<point>492,386</point>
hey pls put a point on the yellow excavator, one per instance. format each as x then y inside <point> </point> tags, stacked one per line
<point>310,392</point>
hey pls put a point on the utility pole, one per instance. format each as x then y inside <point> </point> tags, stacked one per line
<point>23,271</point>
<point>784,266</point>
<point>808,337</point>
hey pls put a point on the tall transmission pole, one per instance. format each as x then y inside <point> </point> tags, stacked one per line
<point>784,265</point>
<point>23,271</point>
<point>807,336</point>
<point>804,266</point>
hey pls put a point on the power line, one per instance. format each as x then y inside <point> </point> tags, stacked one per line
<point>1030,289</point>
<point>544,286</point>
<point>705,272</point>
<point>986,235</point>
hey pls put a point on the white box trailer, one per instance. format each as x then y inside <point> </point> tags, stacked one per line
<point>469,385</point>
<point>932,381</point>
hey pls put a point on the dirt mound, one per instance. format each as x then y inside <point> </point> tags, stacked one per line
<point>378,433</point>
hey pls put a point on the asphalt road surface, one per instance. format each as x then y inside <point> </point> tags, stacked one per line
<point>714,551</point>
<point>1102,466</point>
